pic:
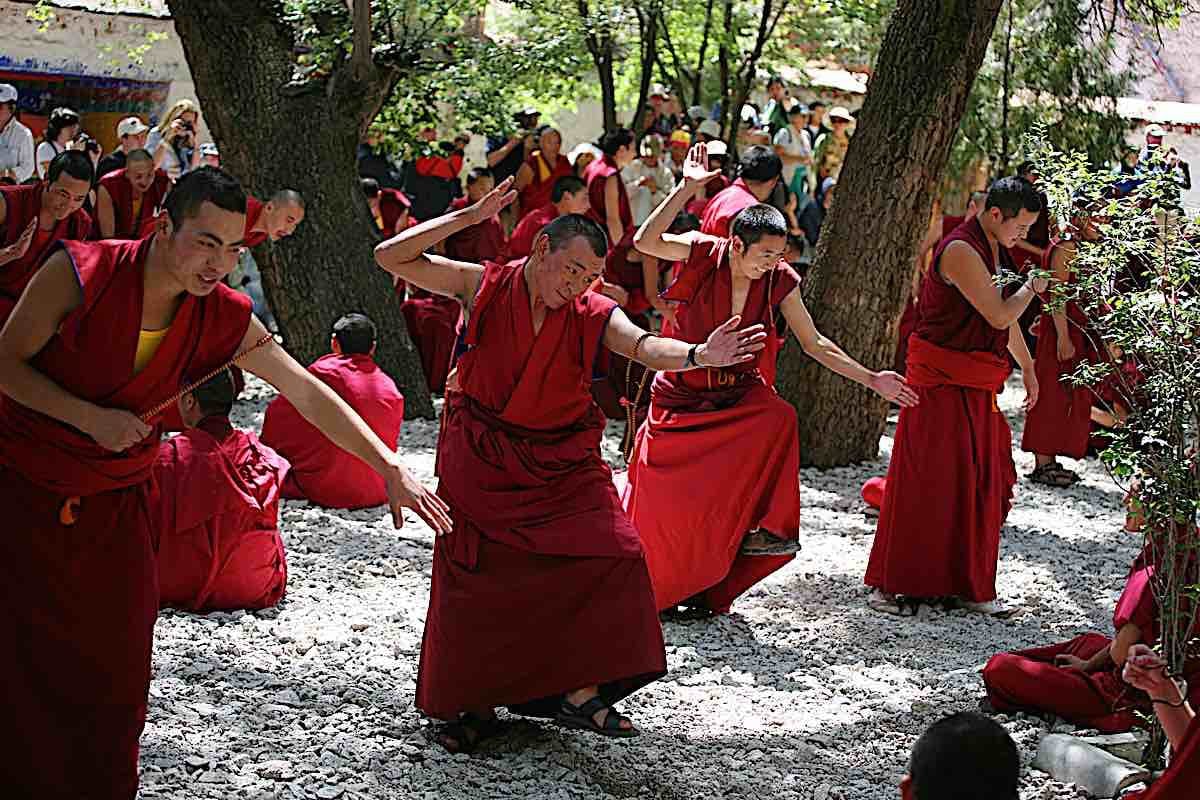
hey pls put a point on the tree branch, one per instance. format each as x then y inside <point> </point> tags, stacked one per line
<point>361,56</point>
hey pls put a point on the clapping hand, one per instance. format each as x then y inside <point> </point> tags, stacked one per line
<point>892,387</point>
<point>494,201</point>
<point>727,345</point>
<point>695,167</point>
<point>18,249</point>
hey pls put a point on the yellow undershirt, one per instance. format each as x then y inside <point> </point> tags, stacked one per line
<point>137,212</point>
<point>147,346</point>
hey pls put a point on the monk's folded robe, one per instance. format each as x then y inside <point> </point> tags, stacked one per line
<point>543,574</point>
<point>950,479</point>
<point>131,213</point>
<point>216,531</point>
<point>691,508</point>
<point>1030,680</point>
<point>322,472</point>
<point>23,205</point>
<point>77,569</point>
<point>520,245</point>
<point>618,269</point>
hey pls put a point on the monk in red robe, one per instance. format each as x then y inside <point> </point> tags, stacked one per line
<point>541,170</point>
<point>610,208</point>
<point>131,197</point>
<point>96,348</point>
<point>390,208</point>
<point>34,217</point>
<point>1081,680</point>
<point>323,473</point>
<point>1145,670</point>
<point>216,519</point>
<point>737,526</point>
<point>1061,422</point>
<point>569,196</point>
<point>543,572</point>
<point>945,542</point>
<point>718,160</point>
<point>275,219</point>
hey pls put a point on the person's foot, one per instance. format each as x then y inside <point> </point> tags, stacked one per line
<point>764,543</point>
<point>588,700</point>
<point>467,732</point>
<point>886,603</point>
<point>992,608</point>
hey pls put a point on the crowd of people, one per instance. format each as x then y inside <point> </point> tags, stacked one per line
<point>651,276</point>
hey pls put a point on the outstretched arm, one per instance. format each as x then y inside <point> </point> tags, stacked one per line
<point>330,414</point>
<point>888,385</point>
<point>725,346</point>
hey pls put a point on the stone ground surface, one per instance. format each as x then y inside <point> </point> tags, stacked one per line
<point>801,694</point>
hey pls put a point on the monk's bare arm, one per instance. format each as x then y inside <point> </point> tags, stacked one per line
<point>1061,266</point>
<point>105,216</point>
<point>962,267</point>
<point>524,177</point>
<point>724,347</point>
<point>824,350</point>
<point>441,275</point>
<point>652,238</point>
<point>1019,349</point>
<point>612,209</point>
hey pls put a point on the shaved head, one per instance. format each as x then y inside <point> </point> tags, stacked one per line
<point>288,197</point>
<point>138,157</point>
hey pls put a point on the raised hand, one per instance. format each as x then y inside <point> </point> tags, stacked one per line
<point>892,387</point>
<point>116,429</point>
<point>494,201</point>
<point>695,166</point>
<point>405,491</point>
<point>20,247</point>
<point>727,345</point>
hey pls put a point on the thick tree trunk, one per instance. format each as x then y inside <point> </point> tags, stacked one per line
<point>865,257</point>
<point>608,89</point>
<point>274,136</point>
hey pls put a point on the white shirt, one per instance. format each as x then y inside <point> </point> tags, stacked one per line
<point>641,199</point>
<point>794,143</point>
<point>46,151</point>
<point>16,150</point>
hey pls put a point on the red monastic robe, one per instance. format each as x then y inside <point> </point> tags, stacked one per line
<point>537,193</point>
<point>1029,680</point>
<point>543,572</point>
<point>78,579</point>
<point>1116,390</point>
<point>1182,777</point>
<point>701,422</point>
<point>714,187</point>
<point>323,473</point>
<point>254,210</point>
<point>22,205</point>
<point>122,194</point>
<point>527,230</point>
<point>392,205</point>
<point>1061,421</point>
<point>617,267</point>
<point>946,542</point>
<point>908,320</point>
<point>217,520</point>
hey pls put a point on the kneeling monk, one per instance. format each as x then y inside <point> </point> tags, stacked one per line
<point>93,354</point>
<point>129,198</point>
<point>540,598</point>
<point>740,523</point>
<point>949,483</point>
<point>216,519</point>
<point>322,472</point>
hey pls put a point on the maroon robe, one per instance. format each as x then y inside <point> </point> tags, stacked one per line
<point>714,187</point>
<point>23,205</point>
<point>1029,680</point>
<point>700,422</point>
<point>254,210</point>
<point>539,190</point>
<point>947,543</point>
<point>527,230</point>
<point>322,472</point>
<point>618,269</point>
<point>1061,421</point>
<point>216,530</point>
<point>1182,777</point>
<point>392,205</point>
<point>79,581</point>
<point>543,573</point>
<point>122,194</point>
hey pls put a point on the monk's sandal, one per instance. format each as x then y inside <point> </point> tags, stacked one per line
<point>467,732</point>
<point>763,543</point>
<point>582,717</point>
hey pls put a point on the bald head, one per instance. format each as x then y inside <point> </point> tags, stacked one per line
<point>288,197</point>
<point>282,215</point>
<point>138,157</point>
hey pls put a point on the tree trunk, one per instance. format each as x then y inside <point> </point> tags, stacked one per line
<point>723,71</point>
<point>608,89</point>
<point>703,54</point>
<point>275,136</point>
<point>648,36</point>
<point>865,256</point>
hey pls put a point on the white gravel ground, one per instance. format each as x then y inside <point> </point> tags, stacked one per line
<point>801,694</point>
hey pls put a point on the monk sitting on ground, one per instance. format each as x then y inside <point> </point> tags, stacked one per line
<point>540,599</point>
<point>946,543</point>
<point>390,208</point>
<point>963,756</point>
<point>217,518</point>
<point>322,473</point>
<point>34,217</point>
<point>738,525</point>
<point>275,219</point>
<point>569,196</point>
<point>1145,670</point>
<point>130,198</point>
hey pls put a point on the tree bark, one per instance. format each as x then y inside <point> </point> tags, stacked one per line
<point>648,37</point>
<point>857,288</point>
<point>600,45</point>
<point>275,135</point>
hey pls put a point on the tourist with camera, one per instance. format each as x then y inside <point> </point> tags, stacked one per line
<point>174,142</point>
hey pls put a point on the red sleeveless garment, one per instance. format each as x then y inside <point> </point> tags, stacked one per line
<point>543,571</point>
<point>537,193</point>
<point>121,191</point>
<point>254,210</point>
<point>77,682</point>
<point>947,543</point>
<point>617,268</point>
<point>22,205</point>
<point>527,230</point>
<point>699,423</point>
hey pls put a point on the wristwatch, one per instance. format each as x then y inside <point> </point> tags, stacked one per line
<point>691,357</point>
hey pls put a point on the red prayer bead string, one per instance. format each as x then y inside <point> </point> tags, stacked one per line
<point>164,405</point>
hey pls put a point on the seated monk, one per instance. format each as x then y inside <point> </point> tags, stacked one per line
<point>1146,671</point>
<point>543,168</point>
<point>963,756</point>
<point>569,196</point>
<point>130,198</point>
<point>275,219</point>
<point>322,473</point>
<point>1081,680</point>
<point>540,599</point>
<point>390,208</point>
<point>216,522</point>
<point>737,525</point>
<point>34,217</point>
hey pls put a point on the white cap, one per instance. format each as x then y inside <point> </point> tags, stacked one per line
<point>717,148</point>
<point>8,93</point>
<point>840,112</point>
<point>1157,131</point>
<point>583,147</point>
<point>710,127</point>
<point>131,126</point>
